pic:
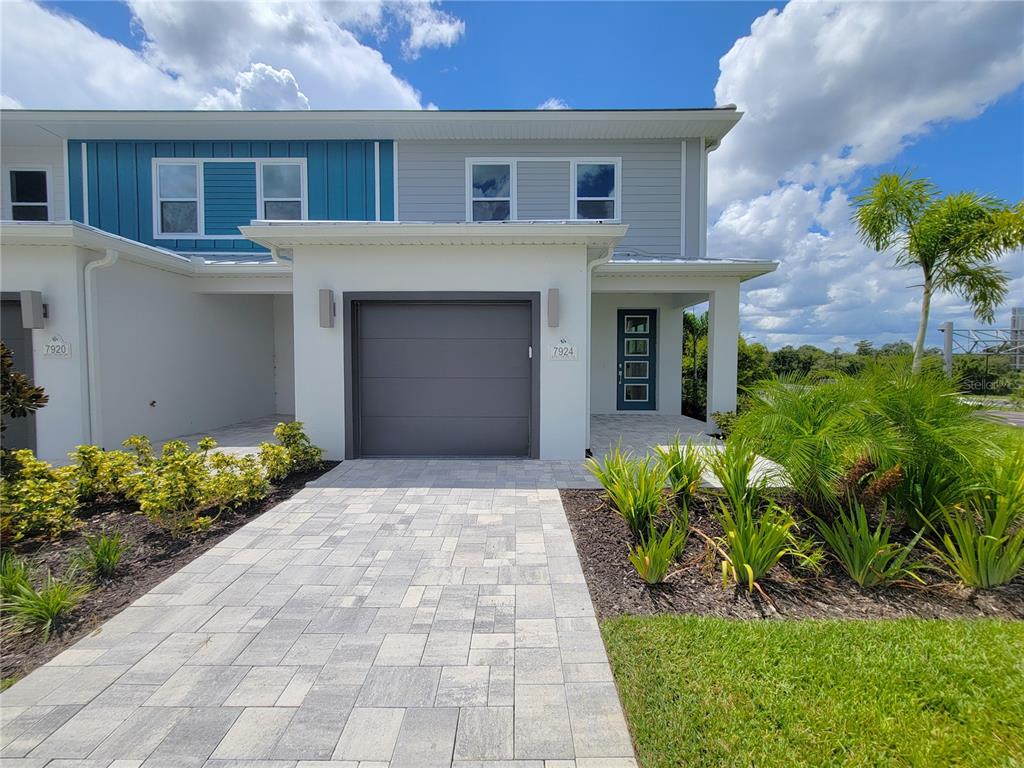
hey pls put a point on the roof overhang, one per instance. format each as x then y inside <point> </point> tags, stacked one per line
<point>283,236</point>
<point>733,268</point>
<point>75,234</point>
<point>27,126</point>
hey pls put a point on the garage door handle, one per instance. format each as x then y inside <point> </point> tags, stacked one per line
<point>529,352</point>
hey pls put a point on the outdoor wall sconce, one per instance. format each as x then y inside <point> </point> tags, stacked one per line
<point>552,307</point>
<point>32,310</point>
<point>326,308</point>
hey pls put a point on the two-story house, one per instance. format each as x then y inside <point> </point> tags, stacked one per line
<point>406,283</point>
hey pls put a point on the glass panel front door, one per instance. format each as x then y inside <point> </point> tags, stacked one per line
<point>636,338</point>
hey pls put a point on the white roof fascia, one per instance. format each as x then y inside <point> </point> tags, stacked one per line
<point>743,269</point>
<point>283,235</point>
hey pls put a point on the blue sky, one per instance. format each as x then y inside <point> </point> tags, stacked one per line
<point>833,94</point>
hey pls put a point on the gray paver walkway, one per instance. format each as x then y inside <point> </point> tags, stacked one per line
<point>397,613</point>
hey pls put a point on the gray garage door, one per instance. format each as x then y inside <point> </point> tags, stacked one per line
<point>443,378</point>
<point>20,432</point>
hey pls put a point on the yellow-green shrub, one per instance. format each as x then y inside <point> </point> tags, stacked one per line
<point>304,455</point>
<point>236,480</point>
<point>35,498</point>
<point>173,490</point>
<point>101,474</point>
<point>276,461</point>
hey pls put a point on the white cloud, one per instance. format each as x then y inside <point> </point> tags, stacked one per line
<point>829,91</point>
<point>553,103</point>
<point>220,54</point>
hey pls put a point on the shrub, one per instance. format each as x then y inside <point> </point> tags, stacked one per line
<point>652,558</point>
<point>685,468</point>
<point>13,572</point>
<point>304,455</point>
<point>868,556</point>
<point>142,448</point>
<point>753,544</point>
<point>36,498</point>
<point>634,486</point>
<point>101,474</point>
<point>174,490</point>
<point>734,466</point>
<point>277,463</point>
<point>236,480</point>
<point>103,554</point>
<point>984,541</point>
<point>46,608</point>
<point>811,427</point>
<point>726,421</point>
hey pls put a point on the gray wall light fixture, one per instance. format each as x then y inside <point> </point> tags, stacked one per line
<point>326,308</point>
<point>553,303</point>
<point>32,311</point>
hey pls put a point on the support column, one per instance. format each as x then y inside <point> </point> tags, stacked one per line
<point>723,338</point>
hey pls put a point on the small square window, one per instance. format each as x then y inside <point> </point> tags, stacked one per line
<point>178,180</point>
<point>282,210</point>
<point>281,191</point>
<point>596,191</point>
<point>179,216</point>
<point>636,393</point>
<point>29,195</point>
<point>636,369</point>
<point>491,191</point>
<point>177,203</point>
<point>638,324</point>
<point>637,347</point>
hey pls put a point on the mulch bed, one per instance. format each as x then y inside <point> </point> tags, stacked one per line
<point>152,556</point>
<point>695,587</point>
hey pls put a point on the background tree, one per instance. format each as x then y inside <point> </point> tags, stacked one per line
<point>18,395</point>
<point>954,240</point>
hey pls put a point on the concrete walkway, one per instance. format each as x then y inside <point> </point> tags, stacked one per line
<point>400,613</point>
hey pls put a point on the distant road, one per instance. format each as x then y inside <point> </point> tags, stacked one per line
<point>1015,418</point>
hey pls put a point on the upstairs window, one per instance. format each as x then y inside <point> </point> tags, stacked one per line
<point>281,196</point>
<point>596,186</point>
<point>491,192</point>
<point>177,199</point>
<point>29,193</point>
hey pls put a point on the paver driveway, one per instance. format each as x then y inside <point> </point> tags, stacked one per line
<point>402,613</point>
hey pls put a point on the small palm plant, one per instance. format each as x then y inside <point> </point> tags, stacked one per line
<point>634,486</point>
<point>984,541</point>
<point>868,555</point>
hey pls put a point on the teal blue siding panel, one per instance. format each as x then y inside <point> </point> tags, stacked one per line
<point>316,179</point>
<point>118,176</point>
<point>76,202</point>
<point>229,197</point>
<point>335,180</point>
<point>355,176</point>
<point>387,181</point>
<point>127,190</point>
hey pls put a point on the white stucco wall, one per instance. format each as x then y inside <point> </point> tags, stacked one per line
<point>56,271</point>
<point>604,341</point>
<point>284,355</point>
<point>319,376</point>
<point>205,360</point>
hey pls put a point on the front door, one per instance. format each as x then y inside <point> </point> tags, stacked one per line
<point>636,339</point>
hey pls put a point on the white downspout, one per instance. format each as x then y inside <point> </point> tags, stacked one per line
<point>95,436</point>
<point>590,324</point>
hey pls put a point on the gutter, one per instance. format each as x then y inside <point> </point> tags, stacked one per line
<point>94,436</point>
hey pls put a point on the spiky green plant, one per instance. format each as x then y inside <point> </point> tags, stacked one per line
<point>13,572</point>
<point>654,556</point>
<point>634,486</point>
<point>868,555</point>
<point>812,428</point>
<point>983,543</point>
<point>734,466</point>
<point>103,554</point>
<point>685,468</point>
<point>47,608</point>
<point>753,543</point>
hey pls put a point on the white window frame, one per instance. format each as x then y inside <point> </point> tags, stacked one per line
<point>625,346</point>
<point>645,363</point>
<point>200,163</point>
<point>303,186</point>
<point>512,163</point>
<point>8,206</point>
<point>646,397</point>
<point>158,233</point>
<point>573,186</point>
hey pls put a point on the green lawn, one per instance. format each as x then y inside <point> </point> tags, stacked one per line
<point>711,692</point>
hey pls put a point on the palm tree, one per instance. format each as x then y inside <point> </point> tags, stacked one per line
<point>955,240</point>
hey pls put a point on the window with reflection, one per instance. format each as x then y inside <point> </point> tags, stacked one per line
<point>491,191</point>
<point>282,191</point>
<point>595,191</point>
<point>178,198</point>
